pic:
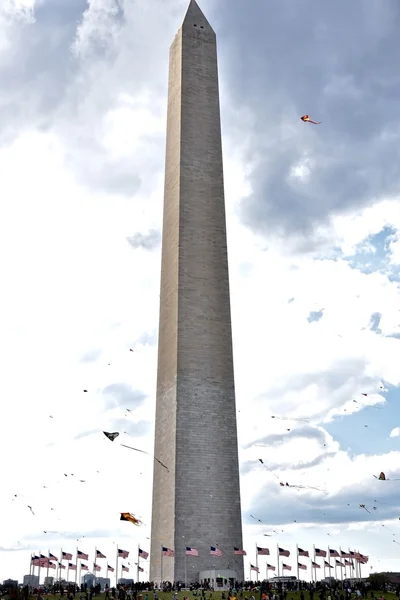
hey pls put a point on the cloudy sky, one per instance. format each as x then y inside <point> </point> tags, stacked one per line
<point>314,247</point>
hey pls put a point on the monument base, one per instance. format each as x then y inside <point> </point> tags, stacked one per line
<point>219,579</point>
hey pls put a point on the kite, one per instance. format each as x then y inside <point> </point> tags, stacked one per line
<point>307,119</point>
<point>382,477</point>
<point>299,487</point>
<point>30,508</point>
<point>303,487</point>
<point>111,436</point>
<point>131,518</point>
<point>364,507</point>
<point>255,518</point>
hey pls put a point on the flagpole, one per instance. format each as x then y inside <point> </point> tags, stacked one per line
<point>94,564</point>
<point>297,555</point>
<point>355,568</point>
<point>161,569</point>
<point>116,571</point>
<point>40,561</point>
<point>312,567</point>
<point>185,568</point>
<point>138,561</point>
<point>257,561</point>
<point>267,571</point>
<point>329,562</point>
<point>76,565</point>
<point>277,556</point>
<point>352,564</point>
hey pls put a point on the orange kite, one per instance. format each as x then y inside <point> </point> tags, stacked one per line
<point>307,119</point>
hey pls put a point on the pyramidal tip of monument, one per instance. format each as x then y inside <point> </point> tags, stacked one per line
<point>195,17</point>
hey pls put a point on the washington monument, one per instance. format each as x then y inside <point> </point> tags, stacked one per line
<point>196,503</point>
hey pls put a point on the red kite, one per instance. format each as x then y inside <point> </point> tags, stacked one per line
<point>307,119</point>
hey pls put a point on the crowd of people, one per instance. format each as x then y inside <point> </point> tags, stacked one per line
<point>249,590</point>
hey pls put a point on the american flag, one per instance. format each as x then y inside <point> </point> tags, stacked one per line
<point>61,565</point>
<point>283,552</point>
<point>100,554</point>
<point>262,551</point>
<point>34,558</point>
<point>52,557</point>
<point>140,569</point>
<point>125,568</point>
<point>301,566</point>
<point>110,568</point>
<point>362,559</point>
<point>320,553</point>
<point>51,565</point>
<point>82,555</point>
<point>191,551</point>
<point>303,553</point>
<point>72,567</point>
<point>168,552</point>
<point>286,567</point>
<point>84,567</point>
<point>122,553</point>
<point>338,563</point>
<point>96,567</point>
<point>333,553</point>
<point>345,554</point>
<point>315,565</point>
<point>215,551</point>
<point>328,565</point>
<point>348,563</point>
<point>143,554</point>
<point>270,567</point>
<point>66,556</point>
<point>253,568</point>
<point>239,552</point>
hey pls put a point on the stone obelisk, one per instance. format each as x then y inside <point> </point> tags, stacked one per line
<point>197,502</point>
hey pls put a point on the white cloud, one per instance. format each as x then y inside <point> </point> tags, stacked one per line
<point>73,288</point>
<point>395,432</point>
